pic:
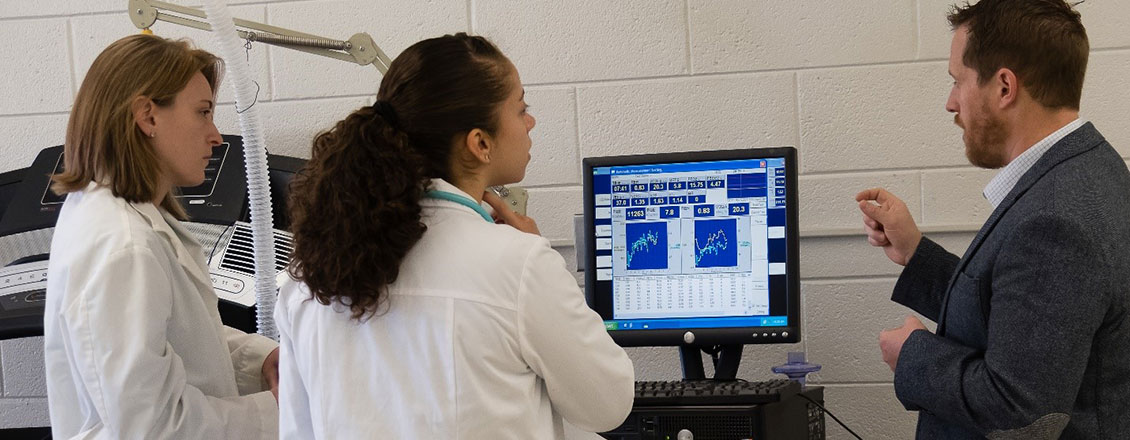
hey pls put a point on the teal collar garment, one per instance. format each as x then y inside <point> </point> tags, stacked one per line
<point>462,200</point>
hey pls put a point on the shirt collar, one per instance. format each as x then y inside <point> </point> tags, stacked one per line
<point>1006,179</point>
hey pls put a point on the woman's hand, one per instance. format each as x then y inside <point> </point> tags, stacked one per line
<point>271,372</point>
<point>506,216</point>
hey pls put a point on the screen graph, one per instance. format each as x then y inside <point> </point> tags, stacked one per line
<point>646,245</point>
<point>714,243</point>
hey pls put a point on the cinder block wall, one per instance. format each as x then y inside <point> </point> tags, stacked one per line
<point>858,87</point>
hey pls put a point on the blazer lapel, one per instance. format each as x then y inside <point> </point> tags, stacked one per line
<point>1074,144</point>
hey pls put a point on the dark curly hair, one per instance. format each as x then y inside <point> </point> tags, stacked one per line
<point>355,206</point>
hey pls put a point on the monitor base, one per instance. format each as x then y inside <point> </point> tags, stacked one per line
<point>724,357</point>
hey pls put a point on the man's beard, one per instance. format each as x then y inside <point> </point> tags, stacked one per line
<point>984,140</point>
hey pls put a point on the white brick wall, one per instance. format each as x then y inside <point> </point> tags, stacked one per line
<point>888,116</point>
<point>554,41</point>
<point>858,87</point>
<point>687,113</point>
<point>739,36</point>
<point>90,34</point>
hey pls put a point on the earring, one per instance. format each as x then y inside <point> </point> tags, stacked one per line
<point>152,134</point>
<point>488,157</point>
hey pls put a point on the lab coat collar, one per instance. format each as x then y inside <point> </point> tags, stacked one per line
<point>443,185</point>
<point>188,250</point>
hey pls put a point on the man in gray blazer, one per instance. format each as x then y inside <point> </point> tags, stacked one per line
<point>1033,338</point>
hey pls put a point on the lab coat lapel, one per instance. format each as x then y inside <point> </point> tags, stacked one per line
<point>189,253</point>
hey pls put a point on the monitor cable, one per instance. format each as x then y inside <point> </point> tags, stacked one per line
<point>829,413</point>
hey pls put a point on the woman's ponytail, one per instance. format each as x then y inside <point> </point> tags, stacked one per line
<point>355,208</point>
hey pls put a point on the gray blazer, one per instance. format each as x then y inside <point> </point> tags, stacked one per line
<point>1033,335</point>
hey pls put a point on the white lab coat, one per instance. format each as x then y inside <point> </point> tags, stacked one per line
<point>134,345</point>
<point>485,336</point>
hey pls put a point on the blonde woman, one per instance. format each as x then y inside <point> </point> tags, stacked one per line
<point>134,344</point>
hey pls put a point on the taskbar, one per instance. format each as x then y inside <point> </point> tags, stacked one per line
<point>679,323</point>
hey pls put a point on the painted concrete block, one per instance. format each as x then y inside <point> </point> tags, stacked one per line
<point>736,35</point>
<point>934,33</point>
<point>290,126</point>
<point>24,412</point>
<point>852,257</point>
<point>955,196</point>
<point>828,201</point>
<point>555,156</point>
<point>38,73</point>
<point>865,118</point>
<point>1106,99</point>
<point>843,325</point>
<point>393,26</point>
<point>586,40</point>
<point>27,136</point>
<point>22,361</point>
<point>716,113</point>
<point>60,7</point>
<point>656,363</point>
<point>872,411</point>
<point>553,209</point>
<point>1106,23</point>
<point>93,33</point>
<point>845,256</point>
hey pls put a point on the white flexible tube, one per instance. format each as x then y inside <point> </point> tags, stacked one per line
<point>255,156</point>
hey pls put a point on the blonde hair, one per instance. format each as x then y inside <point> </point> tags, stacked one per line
<point>104,143</point>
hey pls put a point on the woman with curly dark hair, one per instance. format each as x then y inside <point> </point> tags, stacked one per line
<point>430,319</point>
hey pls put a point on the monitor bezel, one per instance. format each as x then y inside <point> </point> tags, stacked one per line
<point>790,333</point>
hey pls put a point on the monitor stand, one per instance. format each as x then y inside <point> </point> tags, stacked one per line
<point>724,357</point>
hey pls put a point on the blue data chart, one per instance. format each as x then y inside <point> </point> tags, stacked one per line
<point>646,245</point>
<point>714,243</point>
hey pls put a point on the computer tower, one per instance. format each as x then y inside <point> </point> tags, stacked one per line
<point>793,418</point>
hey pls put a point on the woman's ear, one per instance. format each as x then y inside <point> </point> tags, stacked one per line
<point>143,108</point>
<point>478,145</point>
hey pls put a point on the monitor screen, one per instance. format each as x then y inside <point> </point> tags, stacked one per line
<point>694,247</point>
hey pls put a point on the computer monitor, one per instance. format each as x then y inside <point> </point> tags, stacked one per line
<point>694,249</point>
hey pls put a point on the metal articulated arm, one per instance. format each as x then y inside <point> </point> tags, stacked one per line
<point>359,49</point>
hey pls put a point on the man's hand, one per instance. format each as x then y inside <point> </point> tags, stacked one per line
<point>271,372</point>
<point>888,224</point>
<point>504,215</point>
<point>890,341</point>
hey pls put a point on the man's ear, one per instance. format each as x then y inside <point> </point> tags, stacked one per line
<point>143,110</point>
<point>1007,87</point>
